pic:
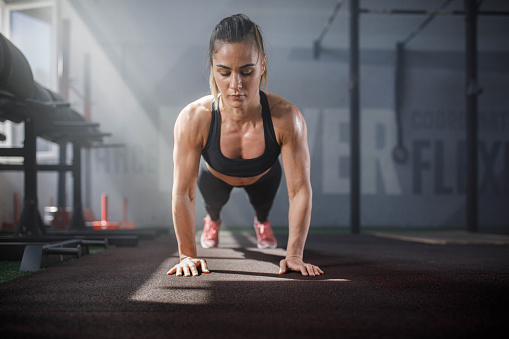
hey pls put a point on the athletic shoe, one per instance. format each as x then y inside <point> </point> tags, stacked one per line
<point>210,234</point>
<point>264,234</point>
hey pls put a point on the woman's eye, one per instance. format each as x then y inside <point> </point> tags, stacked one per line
<point>242,73</point>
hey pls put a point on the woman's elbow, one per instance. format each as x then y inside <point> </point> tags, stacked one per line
<point>301,192</point>
<point>184,195</point>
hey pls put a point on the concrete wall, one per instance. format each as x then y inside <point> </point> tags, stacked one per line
<point>148,60</point>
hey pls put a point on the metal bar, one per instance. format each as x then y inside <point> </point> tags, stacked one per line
<point>16,208</point>
<point>7,167</point>
<point>65,250</point>
<point>426,22</point>
<point>86,90</point>
<point>43,168</point>
<point>354,119</point>
<point>398,88</point>
<point>77,220</point>
<point>88,180</point>
<point>76,124</point>
<point>48,104</point>
<point>69,242</point>
<point>90,135</point>
<point>326,28</point>
<point>12,152</point>
<point>472,91</point>
<point>37,255</point>
<point>70,129</point>
<point>72,247</point>
<point>106,145</point>
<point>61,201</point>
<point>30,222</point>
<point>427,12</point>
<point>400,152</point>
<point>87,114</point>
<point>102,243</point>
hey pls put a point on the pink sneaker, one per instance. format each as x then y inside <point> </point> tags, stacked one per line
<point>264,234</point>
<point>210,234</point>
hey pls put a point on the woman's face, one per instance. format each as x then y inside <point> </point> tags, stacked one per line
<point>237,69</point>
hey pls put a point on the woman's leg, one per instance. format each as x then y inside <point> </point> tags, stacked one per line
<point>215,192</point>
<point>262,193</point>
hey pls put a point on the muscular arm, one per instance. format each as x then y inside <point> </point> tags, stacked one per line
<point>296,162</point>
<point>186,160</point>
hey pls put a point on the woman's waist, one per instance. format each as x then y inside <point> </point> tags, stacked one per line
<point>235,181</point>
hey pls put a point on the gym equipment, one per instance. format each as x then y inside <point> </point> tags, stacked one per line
<point>355,121</point>
<point>104,224</point>
<point>400,152</point>
<point>44,114</point>
<point>317,44</point>
<point>10,224</point>
<point>471,13</point>
<point>48,115</point>
<point>36,256</point>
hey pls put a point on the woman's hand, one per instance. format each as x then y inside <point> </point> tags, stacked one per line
<point>189,266</point>
<point>296,264</point>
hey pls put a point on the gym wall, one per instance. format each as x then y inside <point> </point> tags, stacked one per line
<point>148,59</point>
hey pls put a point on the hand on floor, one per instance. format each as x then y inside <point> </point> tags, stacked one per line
<point>296,264</point>
<point>189,266</point>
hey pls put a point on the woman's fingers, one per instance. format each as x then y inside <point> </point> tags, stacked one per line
<point>282,266</point>
<point>204,267</point>
<point>188,267</point>
<point>298,265</point>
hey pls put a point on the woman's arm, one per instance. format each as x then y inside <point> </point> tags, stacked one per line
<point>296,162</point>
<point>186,161</point>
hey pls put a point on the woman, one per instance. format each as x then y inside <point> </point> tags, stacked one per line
<point>240,132</point>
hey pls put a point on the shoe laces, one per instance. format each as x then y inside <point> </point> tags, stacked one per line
<point>264,229</point>
<point>211,229</point>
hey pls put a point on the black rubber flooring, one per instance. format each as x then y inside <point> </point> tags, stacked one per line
<point>372,288</point>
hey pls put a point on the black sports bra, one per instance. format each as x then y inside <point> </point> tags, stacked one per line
<point>241,167</point>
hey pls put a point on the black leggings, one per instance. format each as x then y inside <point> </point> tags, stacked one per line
<point>261,194</point>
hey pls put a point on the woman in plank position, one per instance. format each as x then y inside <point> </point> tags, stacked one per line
<point>240,132</point>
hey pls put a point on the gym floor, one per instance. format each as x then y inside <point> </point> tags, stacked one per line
<point>373,287</point>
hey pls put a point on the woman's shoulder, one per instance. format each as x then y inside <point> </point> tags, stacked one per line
<point>282,111</point>
<point>193,122</point>
<point>197,112</point>
<point>280,107</point>
<point>197,108</point>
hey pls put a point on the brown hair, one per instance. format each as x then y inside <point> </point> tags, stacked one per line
<point>234,29</point>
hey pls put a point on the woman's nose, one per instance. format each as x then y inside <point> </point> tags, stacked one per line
<point>236,81</point>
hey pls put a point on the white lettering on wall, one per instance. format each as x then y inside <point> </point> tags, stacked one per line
<point>335,152</point>
<point>378,137</point>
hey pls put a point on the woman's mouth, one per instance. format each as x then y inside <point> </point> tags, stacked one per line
<point>236,96</point>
